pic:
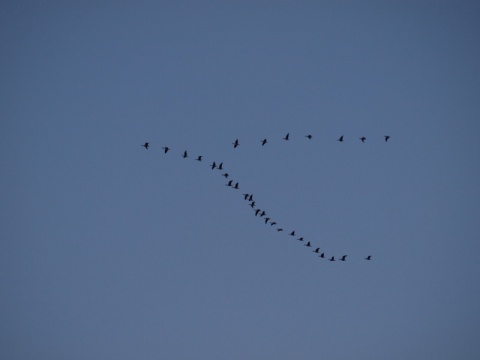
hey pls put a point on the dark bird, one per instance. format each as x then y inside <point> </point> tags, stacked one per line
<point>199,158</point>
<point>332,258</point>
<point>343,258</point>
<point>340,138</point>
<point>273,223</point>
<point>308,244</point>
<point>165,149</point>
<point>363,138</point>
<point>257,211</point>
<point>300,239</point>
<point>317,250</point>
<point>322,255</point>
<point>213,166</point>
<point>309,137</point>
<point>220,167</point>
<point>292,233</point>
<point>236,186</point>
<point>235,144</point>
<point>264,141</point>
<point>263,213</point>
<point>146,145</point>
<point>246,196</point>
<point>229,183</point>
<point>279,229</point>
<point>225,175</point>
<point>369,257</point>
<point>252,204</point>
<point>386,137</point>
<point>185,155</point>
<point>250,198</point>
<point>287,137</point>
<point>266,220</point>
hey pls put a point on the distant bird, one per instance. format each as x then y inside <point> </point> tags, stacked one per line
<point>332,258</point>
<point>257,211</point>
<point>300,239</point>
<point>309,137</point>
<point>292,233</point>
<point>246,196</point>
<point>235,144</point>
<point>317,250</point>
<point>250,198</point>
<point>266,220</point>
<point>263,213</point>
<point>185,155</point>
<point>264,141</point>
<point>220,167</point>
<point>225,175</point>
<point>279,229</point>
<point>146,145</point>
<point>236,186</point>
<point>287,137</point>
<point>273,223</point>
<point>166,149</point>
<point>363,138</point>
<point>213,166</point>
<point>343,258</point>
<point>229,183</point>
<point>322,255</point>
<point>308,244</point>
<point>369,257</point>
<point>252,204</point>
<point>340,138</point>
<point>386,137</point>
<point>199,158</point>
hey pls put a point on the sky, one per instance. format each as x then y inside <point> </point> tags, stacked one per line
<point>112,251</point>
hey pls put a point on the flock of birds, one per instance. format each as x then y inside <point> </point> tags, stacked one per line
<point>248,197</point>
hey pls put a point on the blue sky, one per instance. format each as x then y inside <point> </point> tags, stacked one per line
<point>112,251</point>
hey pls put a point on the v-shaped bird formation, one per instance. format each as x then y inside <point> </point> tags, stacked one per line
<point>249,197</point>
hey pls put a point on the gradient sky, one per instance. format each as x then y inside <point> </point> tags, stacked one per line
<point>111,251</point>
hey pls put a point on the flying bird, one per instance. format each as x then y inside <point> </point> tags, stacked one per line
<point>264,141</point>
<point>308,244</point>
<point>332,258</point>
<point>146,145</point>
<point>343,258</point>
<point>252,204</point>
<point>292,233</point>
<point>279,229</point>
<point>363,138</point>
<point>246,196</point>
<point>287,137</point>
<point>369,257</point>
<point>213,166</point>
<point>165,149</point>
<point>273,223</point>
<point>257,211</point>
<point>229,183</point>
<point>322,255</point>
<point>185,155</point>
<point>199,158</point>
<point>309,137</point>
<point>225,175</point>
<point>266,220</point>
<point>386,137</point>
<point>235,144</point>
<point>220,167</point>
<point>236,186</point>
<point>250,198</point>
<point>300,239</point>
<point>340,138</point>
<point>263,213</point>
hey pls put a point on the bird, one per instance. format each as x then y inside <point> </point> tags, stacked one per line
<point>199,158</point>
<point>236,186</point>
<point>279,229</point>
<point>257,211</point>
<point>322,255</point>
<point>213,166</point>
<point>252,204</point>
<point>343,258</point>
<point>316,250</point>
<point>369,257</point>
<point>332,258</point>
<point>266,219</point>
<point>386,137</point>
<point>292,233</point>
<point>229,183</point>
<point>363,138</point>
<point>220,166</point>
<point>287,137</point>
<point>308,244</point>
<point>246,196</point>
<point>309,137</point>
<point>263,213</point>
<point>340,138</point>
<point>264,141</point>
<point>235,144</point>
<point>225,175</point>
<point>250,198</point>
<point>166,149</point>
<point>185,155</point>
<point>273,223</point>
<point>146,145</point>
<point>300,239</point>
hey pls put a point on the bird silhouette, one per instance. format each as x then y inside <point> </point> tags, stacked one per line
<point>146,145</point>
<point>309,137</point>
<point>287,137</point>
<point>317,250</point>
<point>273,223</point>
<point>257,211</point>
<point>250,198</point>
<point>266,219</point>
<point>264,141</point>
<point>292,233</point>
<point>322,255</point>
<point>386,137</point>
<point>245,196</point>
<point>236,186</point>
<point>308,244</point>
<point>185,155</point>
<point>229,183</point>
<point>369,257</point>
<point>199,158</point>
<point>220,166</point>
<point>332,258</point>
<point>300,239</point>
<point>263,213</point>
<point>225,175</point>
<point>343,258</point>
<point>235,144</point>
<point>340,138</point>
<point>363,138</point>
<point>166,149</point>
<point>252,204</point>
<point>279,229</point>
<point>213,166</point>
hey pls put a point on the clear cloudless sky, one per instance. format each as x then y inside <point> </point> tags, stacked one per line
<point>112,251</point>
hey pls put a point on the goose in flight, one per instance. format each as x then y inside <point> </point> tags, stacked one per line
<point>292,233</point>
<point>309,137</point>
<point>317,250</point>
<point>266,219</point>
<point>362,139</point>
<point>343,258</point>
<point>279,229</point>
<point>386,137</point>
<point>332,258</point>
<point>340,138</point>
<point>257,211</point>
<point>263,213</point>
<point>252,204</point>
<point>213,166</point>
<point>165,149</point>
<point>235,144</point>
<point>264,141</point>
<point>322,255</point>
<point>185,155</point>
<point>220,166</point>
<point>250,198</point>
<point>236,186</point>
<point>199,158</point>
<point>287,137</point>
<point>369,257</point>
<point>225,175</point>
<point>273,223</point>
<point>229,183</point>
<point>146,145</point>
<point>300,239</point>
<point>308,244</point>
